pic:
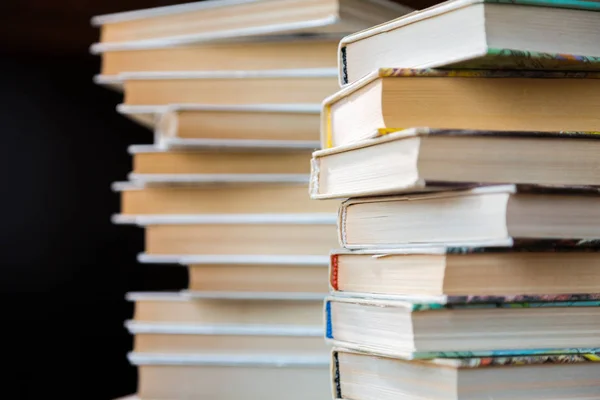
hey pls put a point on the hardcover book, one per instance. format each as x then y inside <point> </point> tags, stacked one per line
<point>258,126</point>
<point>179,376</point>
<point>289,235</point>
<point>271,53</point>
<point>242,340</point>
<point>218,198</point>
<point>358,375</point>
<point>220,20</point>
<point>495,215</point>
<point>229,87</point>
<point>151,160</point>
<point>392,99</point>
<point>470,274</point>
<point>479,34</point>
<point>411,329</point>
<point>424,159</point>
<point>173,308</point>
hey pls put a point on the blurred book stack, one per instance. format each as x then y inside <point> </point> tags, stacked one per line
<point>464,145</point>
<point>231,91</point>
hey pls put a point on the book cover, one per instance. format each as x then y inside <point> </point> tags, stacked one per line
<point>518,246</point>
<point>229,360</point>
<point>572,356</point>
<point>326,127</point>
<point>492,58</point>
<point>416,305</point>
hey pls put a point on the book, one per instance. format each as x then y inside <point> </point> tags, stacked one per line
<point>276,234</point>
<point>234,198</point>
<point>498,215</point>
<point>238,19</point>
<point>263,340</point>
<point>479,34</point>
<point>230,126</point>
<point>454,274</point>
<point>232,376</point>
<point>258,278</point>
<point>168,309</point>
<point>358,375</point>
<point>412,329</point>
<point>391,99</point>
<point>423,159</point>
<point>276,53</point>
<point>150,159</point>
<point>229,87</point>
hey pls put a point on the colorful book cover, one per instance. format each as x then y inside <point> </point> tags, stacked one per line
<point>570,356</point>
<point>483,73</point>
<point>528,60</point>
<point>465,303</point>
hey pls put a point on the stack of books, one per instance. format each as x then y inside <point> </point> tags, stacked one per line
<point>232,92</point>
<point>470,214</point>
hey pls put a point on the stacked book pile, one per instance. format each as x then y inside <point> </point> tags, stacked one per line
<point>232,92</point>
<point>470,221</point>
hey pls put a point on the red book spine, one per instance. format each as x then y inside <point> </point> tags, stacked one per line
<point>333,278</point>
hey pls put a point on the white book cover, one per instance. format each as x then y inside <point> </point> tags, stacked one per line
<point>174,143</point>
<point>276,296</point>
<point>250,259</point>
<point>248,74</point>
<point>185,295</point>
<point>230,360</point>
<point>155,296</point>
<point>121,186</point>
<point>141,327</point>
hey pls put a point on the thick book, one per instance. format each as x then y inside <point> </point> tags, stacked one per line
<point>150,159</point>
<point>479,34</point>
<point>238,19</point>
<point>263,340</point>
<point>223,198</point>
<point>276,53</point>
<point>391,99</point>
<point>410,328</point>
<point>358,375</point>
<point>493,214</point>
<point>232,376</point>
<point>238,234</point>
<point>257,126</point>
<point>229,87</point>
<point>423,159</point>
<point>168,309</point>
<point>455,274</point>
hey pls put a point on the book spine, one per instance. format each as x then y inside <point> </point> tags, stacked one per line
<point>342,214</point>
<point>333,272</point>
<point>313,183</point>
<point>343,66</point>
<point>328,324</point>
<point>335,375</point>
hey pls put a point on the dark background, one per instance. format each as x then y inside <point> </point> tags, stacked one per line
<point>65,267</point>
